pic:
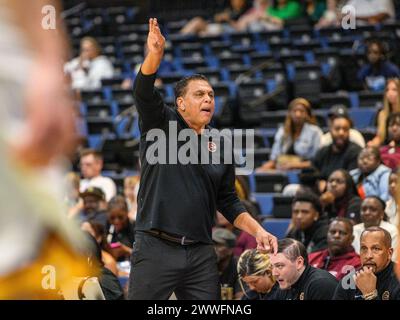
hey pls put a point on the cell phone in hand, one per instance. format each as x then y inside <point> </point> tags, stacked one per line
<point>115,245</point>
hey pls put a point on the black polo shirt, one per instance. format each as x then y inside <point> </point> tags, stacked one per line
<point>327,161</point>
<point>387,285</point>
<point>176,198</point>
<point>313,284</point>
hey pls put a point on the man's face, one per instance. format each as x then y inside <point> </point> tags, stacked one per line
<point>91,204</point>
<point>340,131</point>
<point>88,50</point>
<point>373,251</point>
<point>374,54</point>
<point>223,252</point>
<point>285,271</point>
<point>372,212</point>
<point>198,102</point>
<point>339,237</point>
<point>367,162</point>
<point>90,166</point>
<point>303,215</point>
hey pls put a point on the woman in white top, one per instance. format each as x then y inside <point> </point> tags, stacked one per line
<point>373,214</point>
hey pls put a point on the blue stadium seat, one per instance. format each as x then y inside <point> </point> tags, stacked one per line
<point>277,227</point>
<point>363,118</point>
<point>265,200</point>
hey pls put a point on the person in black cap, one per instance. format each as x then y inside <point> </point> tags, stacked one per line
<point>224,242</point>
<point>355,135</point>
<point>376,280</point>
<point>296,278</point>
<point>177,202</point>
<point>341,153</point>
<point>92,198</point>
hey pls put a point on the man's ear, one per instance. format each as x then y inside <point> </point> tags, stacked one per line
<point>390,253</point>
<point>180,104</point>
<point>299,263</point>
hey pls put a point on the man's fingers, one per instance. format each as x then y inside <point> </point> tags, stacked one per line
<point>150,25</point>
<point>274,244</point>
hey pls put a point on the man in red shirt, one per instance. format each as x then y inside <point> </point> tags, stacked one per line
<point>340,256</point>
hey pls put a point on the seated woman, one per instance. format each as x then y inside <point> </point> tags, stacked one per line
<point>120,237</point>
<point>390,153</point>
<point>297,142</point>
<point>373,215</point>
<point>308,224</point>
<point>391,205</point>
<point>255,270</point>
<point>391,104</point>
<point>223,21</point>
<point>371,177</point>
<point>341,198</point>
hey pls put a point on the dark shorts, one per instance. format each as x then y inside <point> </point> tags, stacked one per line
<point>160,267</point>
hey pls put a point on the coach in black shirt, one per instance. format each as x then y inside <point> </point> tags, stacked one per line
<point>376,280</point>
<point>177,202</point>
<point>296,278</point>
<point>341,153</point>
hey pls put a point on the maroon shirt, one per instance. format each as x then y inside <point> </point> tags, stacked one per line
<point>390,156</point>
<point>335,265</point>
<point>244,242</point>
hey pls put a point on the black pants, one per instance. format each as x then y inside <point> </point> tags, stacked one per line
<point>160,267</point>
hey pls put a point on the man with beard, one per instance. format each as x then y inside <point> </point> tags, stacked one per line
<point>340,254</point>
<point>92,198</point>
<point>342,153</point>
<point>376,279</point>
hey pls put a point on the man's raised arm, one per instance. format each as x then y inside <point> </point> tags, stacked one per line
<point>155,46</point>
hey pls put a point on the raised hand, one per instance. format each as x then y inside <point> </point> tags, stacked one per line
<point>155,40</point>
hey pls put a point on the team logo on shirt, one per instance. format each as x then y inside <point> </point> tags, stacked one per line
<point>385,295</point>
<point>212,147</point>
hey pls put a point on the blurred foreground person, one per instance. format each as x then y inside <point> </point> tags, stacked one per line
<point>38,246</point>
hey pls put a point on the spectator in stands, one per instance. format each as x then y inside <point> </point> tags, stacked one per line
<point>224,242</point>
<point>378,69</point>
<point>371,177</point>
<point>282,10</point>
<point>373,215</point>
<point>92,198</point>
<point>222,22</point>
<point>296,278</point>
<point>355,135</point>
<point>372,11</point>
<point>341,153</point>
<point>332,15</point>
<point>390,153</point>
<point>340,253</point>
<point>131,189</point>
<point>254,18</point>
<point>108,281</point>
<point>315,9</point>
<point>98,232</point>
<point>376,280</point>
<point>91,163</point>
<point>391,205</point>
<point>341,198</point>
<point>87,70</point>
<point>120,237</point>
<point>297,142</point>
<point>308,225</point>
<point>391,104</point>
<point>255,270</point>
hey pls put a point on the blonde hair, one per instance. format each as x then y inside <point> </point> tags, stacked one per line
<point>254,263</point>
<point>387,109</point>
<point>94,42</point>
<point>131,181</point>
<point>288,126</point>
